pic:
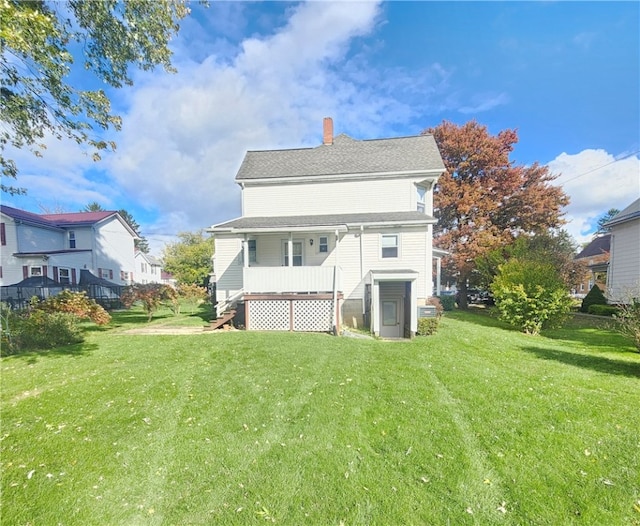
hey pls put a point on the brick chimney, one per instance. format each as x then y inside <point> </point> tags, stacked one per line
<point>327,135</point>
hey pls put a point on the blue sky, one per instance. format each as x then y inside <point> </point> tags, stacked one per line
<point>253,76</point>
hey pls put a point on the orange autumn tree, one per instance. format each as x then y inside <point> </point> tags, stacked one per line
<point>484,200</point>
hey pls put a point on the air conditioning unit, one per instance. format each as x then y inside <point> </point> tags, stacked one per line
<point>427,311</point>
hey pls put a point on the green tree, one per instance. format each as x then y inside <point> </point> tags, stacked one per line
<point>608,216</point>
<point>484,200</point>
<point>555,247</point>
<point>38,39</point>
<point>189,259</point>
<point>530,294</point>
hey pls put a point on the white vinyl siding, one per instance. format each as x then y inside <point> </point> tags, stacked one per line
<point>623,277</point>
<point>336,197</point>
<point>415,255</point>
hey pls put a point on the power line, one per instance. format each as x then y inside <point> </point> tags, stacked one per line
<point>599,167</point>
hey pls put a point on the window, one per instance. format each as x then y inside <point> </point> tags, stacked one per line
<point>421,193</point>
<point>105,273</point>
<point>124,275</point>
<point>64,276</point>
<point>3,234</point>
<point>35,271</point>
<point>390,246</point>
<point>297,254</point>
<point>323,244</point>
<point>252,251</point>
<point>72,239</point>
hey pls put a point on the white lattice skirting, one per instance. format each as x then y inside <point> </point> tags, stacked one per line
<point>303,315</point>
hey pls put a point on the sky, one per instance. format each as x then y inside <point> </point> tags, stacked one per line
<point>253,76</point>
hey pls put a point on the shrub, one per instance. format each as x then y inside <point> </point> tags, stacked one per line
<point>628,317</point>
<point>39,329</point>
<point>530,295</point>
<point>603,310</point>
<point>448,302</point>
<point>594,297</point>
<point>428,326</point>
<point>77,304</point>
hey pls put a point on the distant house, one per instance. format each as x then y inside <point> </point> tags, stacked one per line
<point>85,248</point>
<point>595,257</point>
<point>148,269</point>
<point>338,233</point>
<point>623,277</point>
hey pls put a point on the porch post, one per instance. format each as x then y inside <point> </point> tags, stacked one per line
<point>375,306</point>
<point>438,271</point>
<point>245,251</point>
<point>290,250</point>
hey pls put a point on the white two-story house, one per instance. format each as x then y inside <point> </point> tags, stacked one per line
<point>336,234</point>
<point>148,269</point>
<point>65,249</point>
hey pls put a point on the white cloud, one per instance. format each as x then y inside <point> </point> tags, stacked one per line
<point>595,182</point>
<point>185,135</point>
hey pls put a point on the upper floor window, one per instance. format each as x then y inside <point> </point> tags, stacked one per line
<point>72,239</point>
<point>35,271</point>
<point>3,234</point>
<point>323,244</point>
<point>421,196</point>
<point>105,273</point>
<point>389,245</point>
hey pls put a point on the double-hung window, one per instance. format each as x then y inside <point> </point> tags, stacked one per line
<point>420,196</point>
<point>72,239</point>
<point>323,244</point>
<point>253,251</point>
<point>35,271</point>
<point>389,243</point>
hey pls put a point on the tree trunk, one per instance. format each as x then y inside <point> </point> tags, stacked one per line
<point>462,294</point>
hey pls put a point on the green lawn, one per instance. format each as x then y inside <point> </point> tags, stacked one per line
<point>477,424</point>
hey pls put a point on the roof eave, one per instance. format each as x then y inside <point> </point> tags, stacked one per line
<point>432,173</point>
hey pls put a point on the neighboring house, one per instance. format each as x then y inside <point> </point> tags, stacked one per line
<point>65,249</point>
<point>339,233</point>
<point>623,277</point>
<point>595,257</point>
<point>148,269</point>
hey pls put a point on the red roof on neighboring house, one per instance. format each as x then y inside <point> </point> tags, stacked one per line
<point>75,218</point>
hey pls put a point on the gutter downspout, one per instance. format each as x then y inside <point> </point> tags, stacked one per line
<point>362,270</point>
<point>335,289</point>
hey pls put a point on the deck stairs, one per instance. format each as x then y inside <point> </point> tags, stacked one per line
<point>225,317</point>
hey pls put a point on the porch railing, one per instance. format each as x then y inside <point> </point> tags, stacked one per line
<point>265,280</point>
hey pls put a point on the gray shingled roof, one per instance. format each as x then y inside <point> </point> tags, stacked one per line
<point>319,221</point>
<point>597,247</point>
<point>345,156</point>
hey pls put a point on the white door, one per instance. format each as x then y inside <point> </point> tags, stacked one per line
<point>297,253</point>
<point>391,318</point>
